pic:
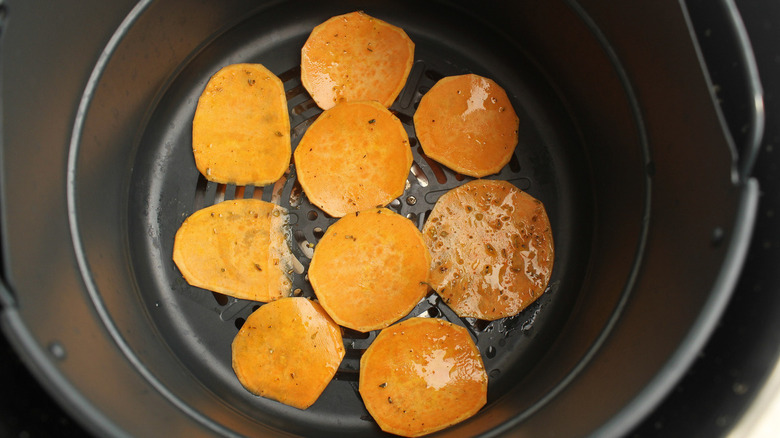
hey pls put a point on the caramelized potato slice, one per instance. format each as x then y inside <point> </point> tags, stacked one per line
<point>241,128</point>
<point>356,155</point>
<point>370,269</point>
<point>354,57</point>
<point>288,351</point>
<point>492,249</point>
<point>239,248</point>
<point>422,375</point>
<point>468,124</point>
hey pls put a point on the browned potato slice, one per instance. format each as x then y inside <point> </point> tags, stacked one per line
<point>288,351</point>
<point>356,155</point>
<point>241,128</point>
<point>370,269</point>
<point>356,57</point>
<point>492,249</point>
<point>422,375</point>
<point>239,248</point>
<point>468,124</point>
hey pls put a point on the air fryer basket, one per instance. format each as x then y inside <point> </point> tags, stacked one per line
<point>619,137</point>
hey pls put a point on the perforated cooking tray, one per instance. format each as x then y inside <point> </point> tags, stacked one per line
<point>613,128</point>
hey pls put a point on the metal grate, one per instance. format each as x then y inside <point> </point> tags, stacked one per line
<point>426,182</point>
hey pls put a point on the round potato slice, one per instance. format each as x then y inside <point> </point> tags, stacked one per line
<point>288,351</point>
<point>422,375</point>
<point>467,124</point>
<point>370,269</point>
<point>356,155</point>
<point>239,248</point>
<point>354,57</point>
<point>241,128</point>
<point>492,249</point>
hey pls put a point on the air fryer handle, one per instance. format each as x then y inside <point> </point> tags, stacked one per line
<point>728,54</point>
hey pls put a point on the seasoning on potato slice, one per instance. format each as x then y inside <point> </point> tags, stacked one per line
<point>356,155</point>
<point>468,124</point>
<point>239,248</point>
<point>422,375</point>
<point>241,128</point>
<point>354,57</point>
<point>370,269</point>
<point>492,249</point>
<point>288,351</point>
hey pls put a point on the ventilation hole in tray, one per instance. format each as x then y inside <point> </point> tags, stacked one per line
<point>239,193</point>
<point>348,333</point>
<point>255,307</point>
<point>312,215</point>
<point>296,194</point>
<point>514,164</point>
<point>433,75</point>
<point>438,172</point>
<point>418,173</point>
<point>304,245</point>
<point>293,92</point>
<point>220,298</point>
<point>347,375</point>
<point>405,119</point>
<point>300,128</point>
<point>276,195</point>
<point>477,324</point>
<point>293,73</point>
<point>318,232</point>
<point>303,107</point>
<point>220,195</point>
<point>200,192</point>
<point>459,177</point>
<point>239,322</point>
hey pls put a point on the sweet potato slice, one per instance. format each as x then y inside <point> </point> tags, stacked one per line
<point>241,128</point>
<point>492,249</point>
<point>239,248</point>
<point>468,124</point>
<point>370,269</point>
<point>422,375</point>
<point>356,155</point>
<point>354,57</point>
<point>288,351</point>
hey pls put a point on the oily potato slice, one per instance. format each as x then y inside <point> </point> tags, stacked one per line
<point>492,249</point>
<point>354,57</point>
<point>468,124</point>
<point>422,375</point>
<point>288,351</point>
<point>239,248</point>
<point>356,155</point>
<point>241,128</point>
<point>370,269</point>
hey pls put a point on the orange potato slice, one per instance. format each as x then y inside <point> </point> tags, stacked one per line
<point>492,249</point>
<point>356,155</point>
<point>370,269</point>
<point>422,375</point>
<point>288,351</point>
<point>241,128</point>
<point>468,124</point>
<point>355,57</point>
<point>239,248</point>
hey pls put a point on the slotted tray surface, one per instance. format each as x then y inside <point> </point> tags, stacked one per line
<point>199,325</point>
